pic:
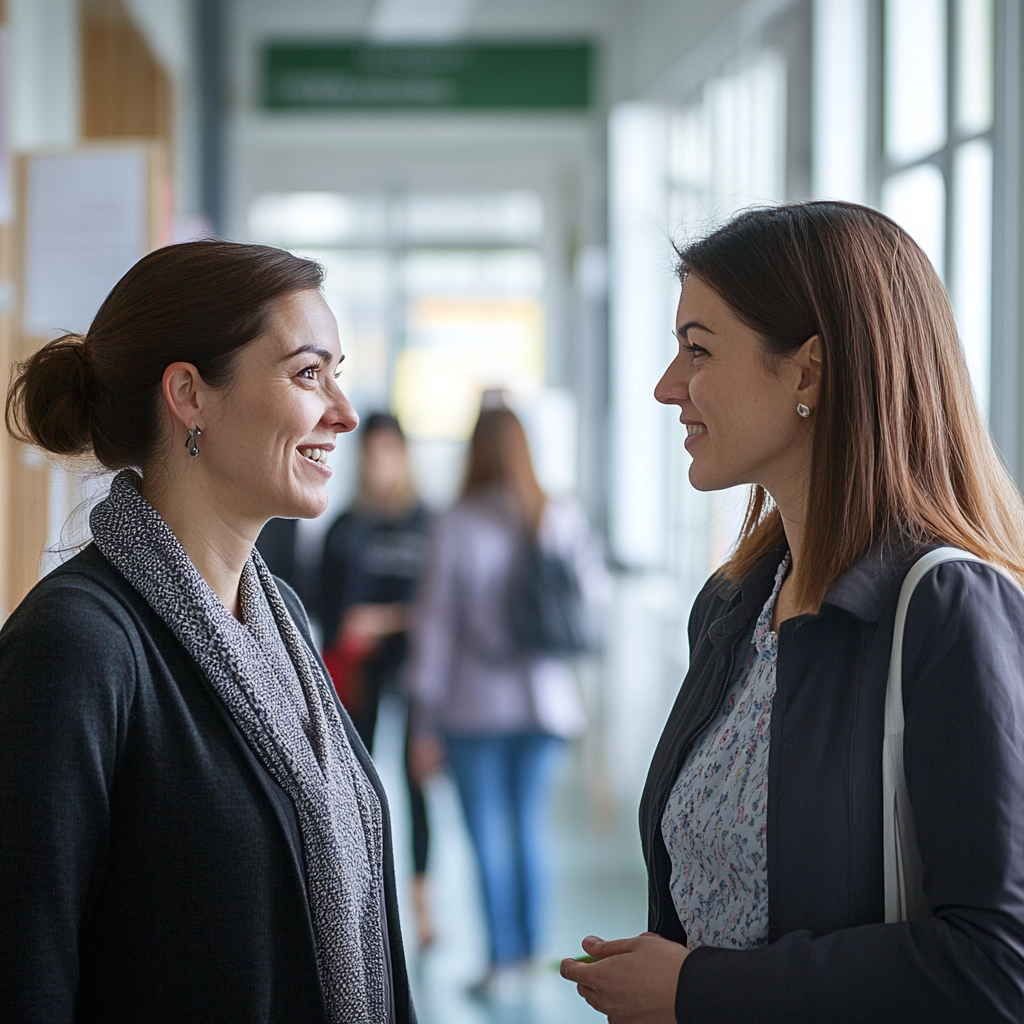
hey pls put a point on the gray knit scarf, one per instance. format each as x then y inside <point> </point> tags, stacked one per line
<point>278,697</point>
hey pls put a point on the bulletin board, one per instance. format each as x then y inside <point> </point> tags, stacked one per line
<point>82,216</point>
<point>89,214</point>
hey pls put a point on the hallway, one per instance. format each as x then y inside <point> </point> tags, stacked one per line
<point>597,886</point>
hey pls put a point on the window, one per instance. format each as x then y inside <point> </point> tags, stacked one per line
<point>933,163</point>
<point>679,170</point>
<point>438,297</point>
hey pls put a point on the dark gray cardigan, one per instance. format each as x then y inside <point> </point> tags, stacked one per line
<point>150,868</point>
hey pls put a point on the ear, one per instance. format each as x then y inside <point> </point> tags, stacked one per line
<point>808,361</point>
<point>184,392</point>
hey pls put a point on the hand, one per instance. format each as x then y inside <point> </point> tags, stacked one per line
<point>372,622</point>
<point>634,980</point>
<point>426,758</point>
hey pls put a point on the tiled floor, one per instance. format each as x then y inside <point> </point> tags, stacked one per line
<point>597,887</point>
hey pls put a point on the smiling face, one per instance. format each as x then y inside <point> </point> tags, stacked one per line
<point>739,412</point>
<point>268,433</point>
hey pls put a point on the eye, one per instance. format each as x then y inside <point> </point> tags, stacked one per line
<point>310,372</point>
<point>694,350</point>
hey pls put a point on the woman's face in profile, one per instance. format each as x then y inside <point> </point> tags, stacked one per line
<point>740,416</point>
<point>283,401</point>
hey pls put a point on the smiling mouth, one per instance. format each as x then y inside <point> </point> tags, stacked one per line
<point>314,454</point>
<point>693,429</point>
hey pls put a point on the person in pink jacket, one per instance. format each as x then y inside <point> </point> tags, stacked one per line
<point>496,710</point>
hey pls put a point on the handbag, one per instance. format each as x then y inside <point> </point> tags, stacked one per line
<point>549,614</point>
<point>904,892</point>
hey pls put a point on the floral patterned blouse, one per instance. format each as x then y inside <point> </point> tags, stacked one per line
<point>715,823</point>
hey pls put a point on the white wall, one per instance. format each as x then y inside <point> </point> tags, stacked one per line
<point>44,72</point>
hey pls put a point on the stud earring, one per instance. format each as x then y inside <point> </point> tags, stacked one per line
<point>803,410</point>
<point>190,443</point>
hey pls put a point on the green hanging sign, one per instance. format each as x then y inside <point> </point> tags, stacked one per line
<point>357,76</point>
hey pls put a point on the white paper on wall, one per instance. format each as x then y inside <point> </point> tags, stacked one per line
<point>86,224</point>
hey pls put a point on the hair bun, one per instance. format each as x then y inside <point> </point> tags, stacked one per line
<point>50,399</point>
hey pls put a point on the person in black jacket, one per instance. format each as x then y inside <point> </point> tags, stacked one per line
<point>819,362</point>
<point>192,828</point>
<point>372,560</point>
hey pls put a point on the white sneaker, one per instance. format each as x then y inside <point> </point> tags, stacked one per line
<point>503,985</point>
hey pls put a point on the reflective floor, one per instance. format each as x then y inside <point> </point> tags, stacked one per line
<point>597,886</point>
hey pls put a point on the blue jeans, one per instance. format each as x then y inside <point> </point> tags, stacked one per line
<point>502,780</point>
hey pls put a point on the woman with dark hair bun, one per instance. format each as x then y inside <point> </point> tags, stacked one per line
<point>192,828</point>
<point>833,821</point>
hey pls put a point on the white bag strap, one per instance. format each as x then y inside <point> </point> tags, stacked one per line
<point>904,893</point>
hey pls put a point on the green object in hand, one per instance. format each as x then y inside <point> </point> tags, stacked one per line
<point>585,959</point>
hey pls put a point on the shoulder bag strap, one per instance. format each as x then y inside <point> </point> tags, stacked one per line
<point>904,893</point>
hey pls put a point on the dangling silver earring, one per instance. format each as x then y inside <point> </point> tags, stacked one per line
<point>190,444</point>
<point>803,410</point>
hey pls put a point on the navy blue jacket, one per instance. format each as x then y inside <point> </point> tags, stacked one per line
<point>150,867</point>
<point>830,956</point>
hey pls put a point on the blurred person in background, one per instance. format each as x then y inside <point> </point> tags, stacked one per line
<point>819,362</point>
<point>277,546</point>
<point>485,694</point>
<point>192,828</point>
<point>372,559</point>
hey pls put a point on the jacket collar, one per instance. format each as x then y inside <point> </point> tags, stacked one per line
<point>864,591</point>
<point>868,586</point>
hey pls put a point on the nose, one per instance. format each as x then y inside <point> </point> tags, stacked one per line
<point>673,388</point>
<point>339,413</point>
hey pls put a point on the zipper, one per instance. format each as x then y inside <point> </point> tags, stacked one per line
<point>656,823</point>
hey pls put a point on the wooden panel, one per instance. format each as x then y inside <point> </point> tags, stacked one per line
<point>7,453</point>
<point>27,473</point>
<point>125,91</point>
<point>6,448</point>
<point>28,523</point>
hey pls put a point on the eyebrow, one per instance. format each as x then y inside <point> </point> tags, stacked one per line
<point>314,350</point>
<point>692,325</point>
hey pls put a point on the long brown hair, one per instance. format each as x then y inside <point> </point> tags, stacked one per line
<point>499,455</point>
<point>197,302</point>
<point>900,447</point>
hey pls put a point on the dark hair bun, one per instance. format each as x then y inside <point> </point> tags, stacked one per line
<point>50,397</point>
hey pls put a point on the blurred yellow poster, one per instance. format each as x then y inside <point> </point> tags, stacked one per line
<point>458,349</point>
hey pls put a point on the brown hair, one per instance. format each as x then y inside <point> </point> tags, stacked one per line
<point>197,302</point>
<point>500,456</point>
<point>900,447</point>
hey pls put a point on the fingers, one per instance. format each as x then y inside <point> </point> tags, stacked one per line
<point>590,995</point>
<point>615,947</point>
<point>573,970</point>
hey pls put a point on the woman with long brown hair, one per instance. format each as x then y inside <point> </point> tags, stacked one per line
<point>495,708</point>
<point>819,362</point>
